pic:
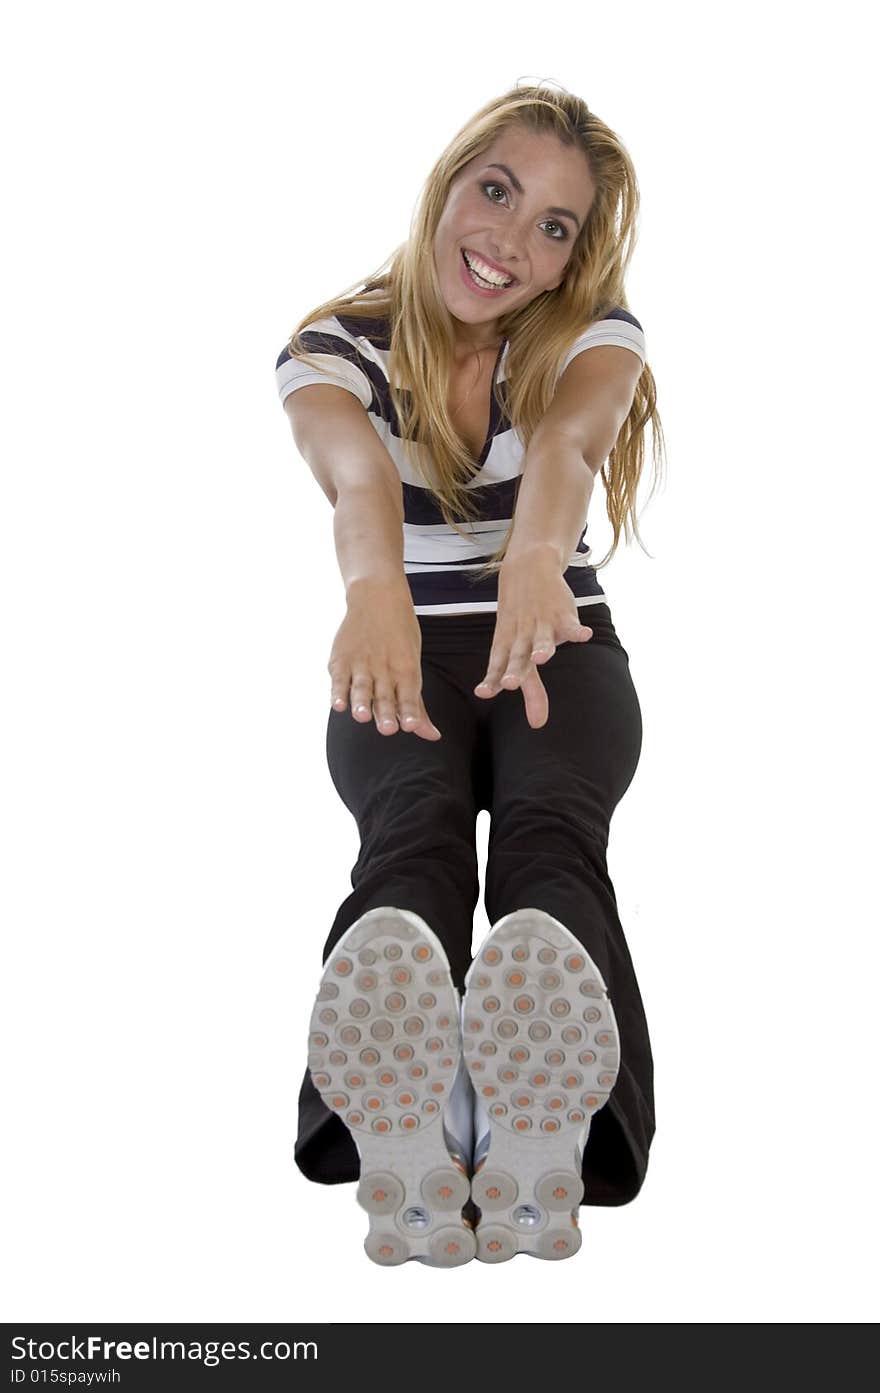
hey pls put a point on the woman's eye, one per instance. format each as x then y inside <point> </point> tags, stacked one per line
<point>493,186</point>
<point>559,236</point>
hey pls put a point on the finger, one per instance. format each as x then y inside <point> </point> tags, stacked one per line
<point>340,686</point>
<point>410,712</point>
<point>361,696</point>
<point>544,647</point>
<point>519,663</point>
<point>414,719</point>
<point>491,683</point>
<point>384,706</point>
<point>536,700</point>
<point>419,723</point>
<point>427,729</point>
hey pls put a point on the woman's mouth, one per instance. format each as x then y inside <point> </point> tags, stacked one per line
<point>480,283</point>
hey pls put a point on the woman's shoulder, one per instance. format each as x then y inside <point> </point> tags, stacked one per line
<point>618,312</point>
<point>612,325</point>
<point>372,322</point>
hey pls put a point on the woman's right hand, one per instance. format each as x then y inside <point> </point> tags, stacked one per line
<point>376,661</point>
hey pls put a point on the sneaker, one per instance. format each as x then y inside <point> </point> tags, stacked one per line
<point>385,1055</point>
<point>542,1049</point>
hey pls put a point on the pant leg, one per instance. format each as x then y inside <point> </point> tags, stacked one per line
<point>413,802</point>
<point>553,794</point>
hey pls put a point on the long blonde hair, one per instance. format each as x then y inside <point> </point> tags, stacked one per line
<point>539,334</point>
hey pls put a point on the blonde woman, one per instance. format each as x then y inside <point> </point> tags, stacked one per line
<point>456,409</point>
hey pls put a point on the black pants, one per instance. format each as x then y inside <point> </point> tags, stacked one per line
<point>550,794</point>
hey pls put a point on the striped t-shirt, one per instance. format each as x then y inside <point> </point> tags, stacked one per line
<point>438,561</point>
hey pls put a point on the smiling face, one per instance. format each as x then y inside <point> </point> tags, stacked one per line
<point>520,221</point>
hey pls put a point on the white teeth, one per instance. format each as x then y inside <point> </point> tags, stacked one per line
<point>485,273</point>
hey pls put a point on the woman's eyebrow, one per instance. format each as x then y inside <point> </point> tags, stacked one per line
<point>560,212</point>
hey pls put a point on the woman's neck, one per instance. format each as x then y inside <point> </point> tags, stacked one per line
<point>465,349</point>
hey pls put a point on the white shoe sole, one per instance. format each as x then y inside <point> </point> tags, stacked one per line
<point>542,1049</point>
<point>384,1049</point>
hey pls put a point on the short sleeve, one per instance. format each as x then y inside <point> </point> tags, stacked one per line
<point>619,327</point>
<point>337,361</point>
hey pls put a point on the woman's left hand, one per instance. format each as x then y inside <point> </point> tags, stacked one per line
<point>536,612</point>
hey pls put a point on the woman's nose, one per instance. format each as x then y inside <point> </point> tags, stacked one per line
<point>508,252</point>
<point>508,245</point>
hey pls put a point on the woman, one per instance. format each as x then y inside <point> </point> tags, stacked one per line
<point>494,367</point>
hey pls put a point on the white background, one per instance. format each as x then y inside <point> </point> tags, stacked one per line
<point>183,182</point>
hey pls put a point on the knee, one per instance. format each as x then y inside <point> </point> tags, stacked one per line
<point>419,815</point>
<point>547,827</point>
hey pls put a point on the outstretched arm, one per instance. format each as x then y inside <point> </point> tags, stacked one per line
<point>536,608</point>
<point>592,400</point>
